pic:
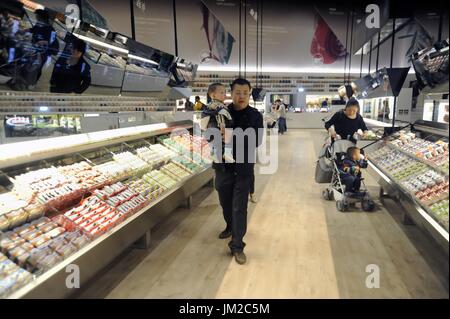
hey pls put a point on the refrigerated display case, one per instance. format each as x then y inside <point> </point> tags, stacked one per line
<point>81,200</point>
<point>412,166</point>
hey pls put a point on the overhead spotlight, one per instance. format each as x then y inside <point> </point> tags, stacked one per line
<point>301,89</point>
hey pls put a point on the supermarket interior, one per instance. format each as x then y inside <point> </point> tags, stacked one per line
<point>111,185</point>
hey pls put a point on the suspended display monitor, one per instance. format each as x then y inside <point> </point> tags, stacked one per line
<point>431,65</point>
<point>40,53</point>
<point>383,82</point>
<point>147,68</point>
<point>182,73</point>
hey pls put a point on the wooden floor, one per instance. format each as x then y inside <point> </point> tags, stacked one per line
<point>298,246</point>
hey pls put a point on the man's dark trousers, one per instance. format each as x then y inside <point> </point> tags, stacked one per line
<point>233,193</point>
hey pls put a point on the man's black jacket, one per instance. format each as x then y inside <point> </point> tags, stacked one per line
<point>248,118</point>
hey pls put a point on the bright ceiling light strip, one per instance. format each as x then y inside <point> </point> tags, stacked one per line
<point>102,44</point>
<point>135,57</point>
<point>205,68</point>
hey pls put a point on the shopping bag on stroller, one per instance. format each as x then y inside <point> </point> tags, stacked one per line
<point>324,165</point>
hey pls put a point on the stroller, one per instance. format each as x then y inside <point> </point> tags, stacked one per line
<point>327,171</point>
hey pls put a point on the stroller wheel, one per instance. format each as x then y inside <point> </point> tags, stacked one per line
<point>341,206</point>
<point>327,194</point>
<point>368,205</point>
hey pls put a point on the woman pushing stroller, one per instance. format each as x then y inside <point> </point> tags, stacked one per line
<point>346,186</point>
<point>347,123</point>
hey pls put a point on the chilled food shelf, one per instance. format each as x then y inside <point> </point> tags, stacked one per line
<point>48,206</point>
<point>414,171</point>
<point>424,184</point>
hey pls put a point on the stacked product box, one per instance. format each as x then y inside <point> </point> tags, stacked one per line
<point>15,212</point>
<point>35,248</point>
<point>156,176</point>
<point>152,157</point>
<point>136,165</point>
<point>49,187</point>
<point>12,277</point>
<point>175,171</point>
<point>149,189</point>
<point>114,171</point>
<point>106,208</point>
<point>187,164</point>
<point>84,174</point>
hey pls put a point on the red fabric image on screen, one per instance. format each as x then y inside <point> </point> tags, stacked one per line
<point>325,46</point>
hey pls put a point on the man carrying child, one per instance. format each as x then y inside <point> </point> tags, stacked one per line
<point>234,177</point>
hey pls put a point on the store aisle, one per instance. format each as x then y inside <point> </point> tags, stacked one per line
<point>298,246</point>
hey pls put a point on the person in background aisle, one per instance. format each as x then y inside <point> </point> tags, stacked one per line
<point>199,106</point>
<point>233,180</point>
<point>281,111</point>
<point>188,105</point>
<point>347,123</point>
<point>325,105</point>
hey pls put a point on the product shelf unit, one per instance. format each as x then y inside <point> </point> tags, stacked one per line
<point>96,150</point>
<point>417,211</point>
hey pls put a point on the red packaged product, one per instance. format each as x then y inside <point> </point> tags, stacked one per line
<point>91,226</point>
<point>99,230</point>
<point>117,219</point>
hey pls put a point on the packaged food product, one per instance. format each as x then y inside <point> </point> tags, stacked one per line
<point>21,277</point>
<point>56,232</point>
<point>32,234</point>
<point>80,240</point>
<point>6,285</point>
<point>35,211</point>
<point>27,246</point>
<point>48,227</point>
<point>66,250</point>
<point>12,235</point>
<point>7,267</point>
<point>36,255</point>
<point>16,252</point>
<point>4,223</point>
<point>97,231</point>
<point>40,222</point>
<point>17,218</point>
<point>49,261</point>
<point>22,259</point>
<point>69,236</point>
<point>39,241</point>
<point>11,244</point>
<point>24,229</point>
<point>4,241</point>
<point>57,242</point>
